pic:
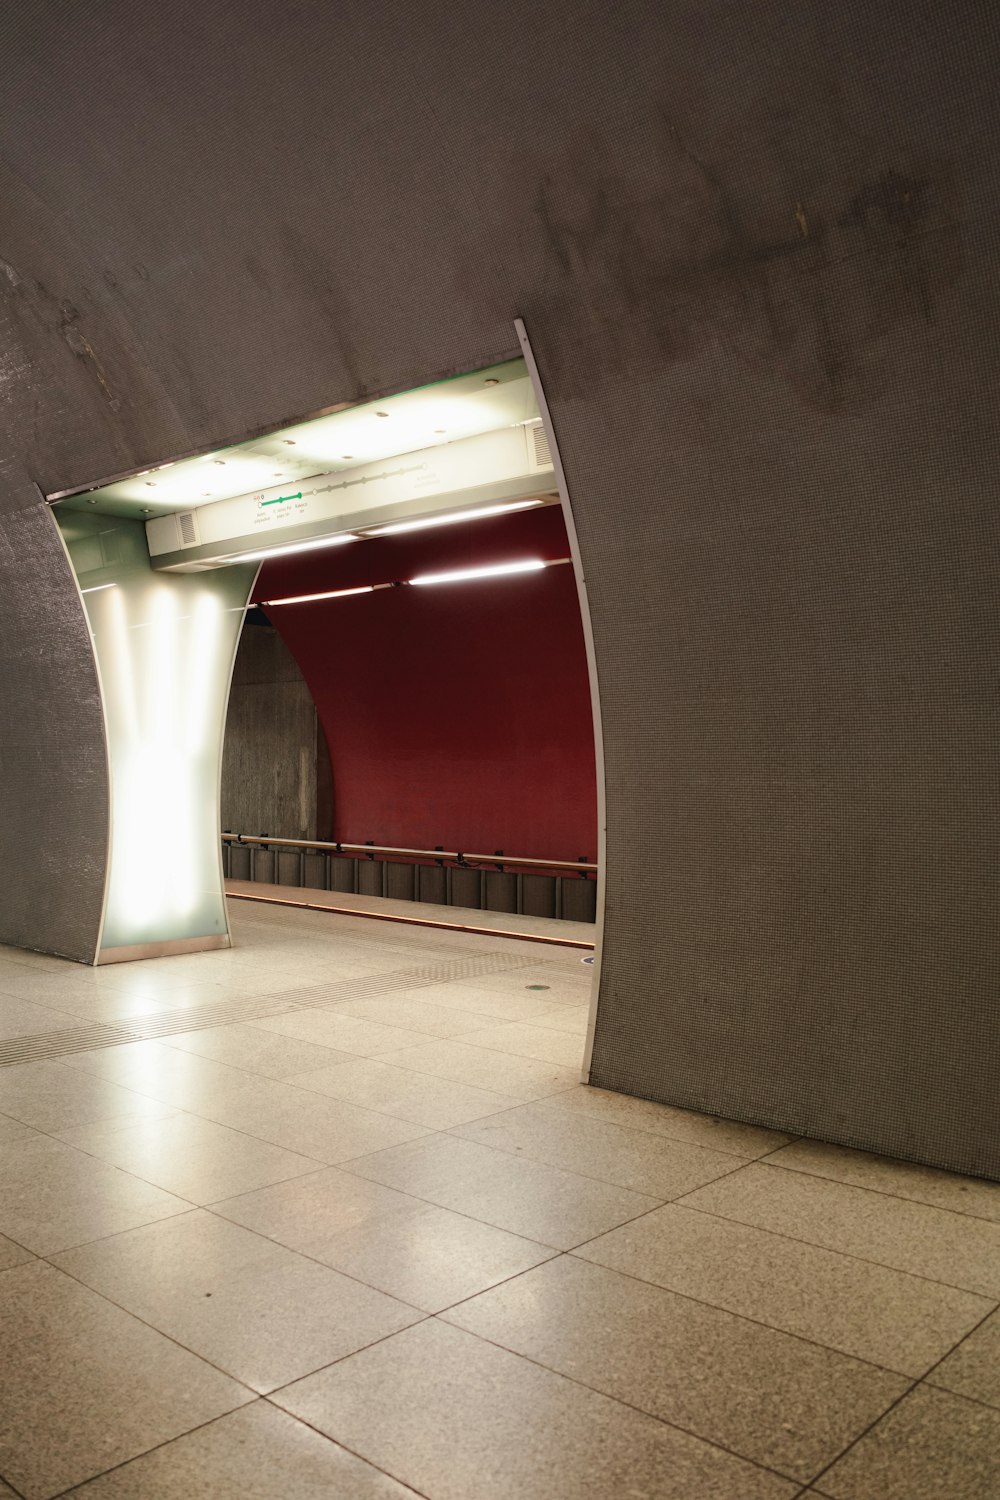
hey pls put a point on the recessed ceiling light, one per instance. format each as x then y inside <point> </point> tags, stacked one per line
<point>440,429</point>
<point>381,413</point>
<point>220,461</point>
<point>147,510</point>
<point>491,381</point>
<point>150,484</point>
<point>347,456</point>
<point>289,442</point>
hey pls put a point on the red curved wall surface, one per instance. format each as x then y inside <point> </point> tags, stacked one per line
<point>457,714</point>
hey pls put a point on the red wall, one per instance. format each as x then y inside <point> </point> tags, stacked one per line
<point>456,714</point>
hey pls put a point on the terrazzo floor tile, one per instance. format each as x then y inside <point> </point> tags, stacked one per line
<point>257,1311</point>
<point>52,1098</point>
<point>973,1369</point>
<point>497,1005</point>
<point>305,1212</point>
<point>12,1254</point>
<point>256,1051</point>
<point>912,1237</point>
<point>343,1033</point>
<point>497,1072</point>
<point>932,1446</point>
<point>785,1403</point>
<point>52,1197</point>
<point>901,1179</point>
<point>529,1198</point>
<point>521,1039</point>
<point>11,1129</point>
<point>196,1159</point>
<point>412,1014</point>
<point>428,1256</point>
<point>570,1018</point>
<point>900,1322</point>
<point>329,1130</point>
<point>749,1141</point>
<point>162,1072</point>
<point>597,1148</point>
<point>26,1018</point>
<point>84,1386</point>
<point>456,1417</point>
<point>434,1102</point>
<point>256,1453</point>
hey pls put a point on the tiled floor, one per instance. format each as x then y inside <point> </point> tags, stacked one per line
<point>341,1224</point>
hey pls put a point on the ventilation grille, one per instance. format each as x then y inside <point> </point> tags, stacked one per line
<point>47,1045</point>
<point>540,453</point>
<point>189,528</point>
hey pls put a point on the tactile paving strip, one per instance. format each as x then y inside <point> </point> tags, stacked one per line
<point>43,1046</point>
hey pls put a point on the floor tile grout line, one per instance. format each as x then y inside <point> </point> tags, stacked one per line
<point>596,1114</point>
<point>801,1338</point>
<point>453,1130</point>
<point>429,1131</point>
<point>394,1296</point>
<point>174,1111</point>
<point>621,1401</point>
<point>921,1380</point>
<point>857,1187</point>
<point>415,976</point>
<point>422,1317</point>
<point>424,1202</point>
<point>138,1318</point>
<point>200,1427</point>
<point>423,1494</point>
<point>342,1059</point>
<point>826,1249</point>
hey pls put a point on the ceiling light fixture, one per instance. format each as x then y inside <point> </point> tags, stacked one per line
<point>367,588</point>
<point>279,551</point>
<point>498,570</point>
<point>448,518</point>
<point>97,587</point>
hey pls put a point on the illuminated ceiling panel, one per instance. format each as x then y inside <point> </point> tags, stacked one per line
<point>465,406</point>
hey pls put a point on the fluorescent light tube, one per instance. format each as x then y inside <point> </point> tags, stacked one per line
<point>279,551</point>
<point>367,588</point>
<point>498,570</point>
<point>97,588</point>
<point>447,518</point>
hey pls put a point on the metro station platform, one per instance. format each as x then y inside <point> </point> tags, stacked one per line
<point>329,1214</point>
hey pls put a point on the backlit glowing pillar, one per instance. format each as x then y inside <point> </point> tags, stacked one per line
<point>165,645</point>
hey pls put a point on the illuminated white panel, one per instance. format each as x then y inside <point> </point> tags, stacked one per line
<point>165,645</point>
<point>489,471</point>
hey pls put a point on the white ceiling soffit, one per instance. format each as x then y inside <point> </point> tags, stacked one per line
<point>465,406</point>
<point>491,471</point>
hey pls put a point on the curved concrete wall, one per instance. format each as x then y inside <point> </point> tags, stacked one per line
<point>754,247</point>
